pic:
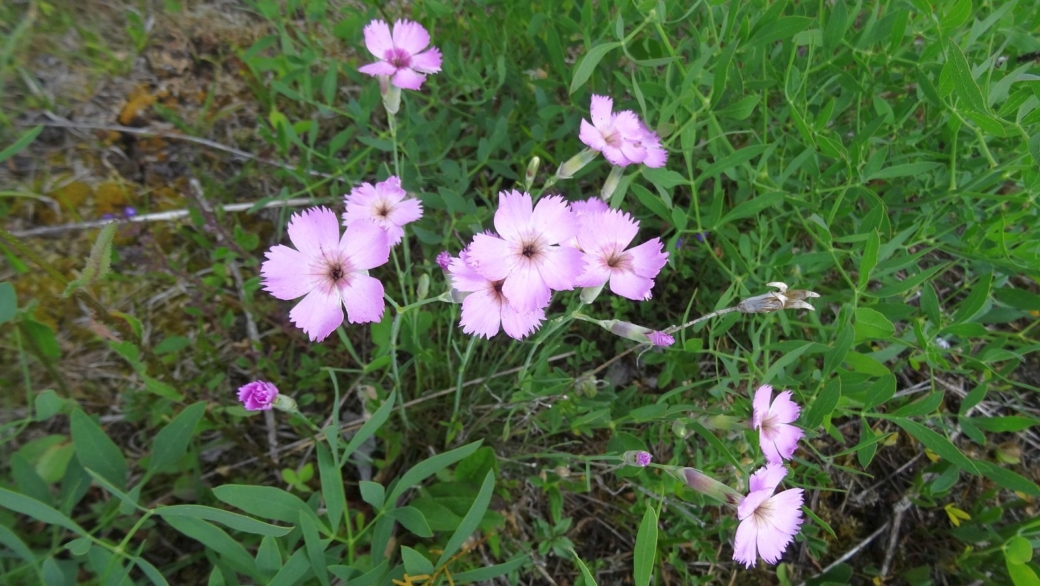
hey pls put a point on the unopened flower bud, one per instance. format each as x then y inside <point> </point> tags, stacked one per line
<point>679,428</point>
<point>576,163</point>
<point>708,486</point>
<point>285,403</point>
<point>391,95</point>
<point>637,458</point>
<point>637,333</point>
<point>443,260</point>
<point>422,288</point>
<point>532,170</point>
<point>610,185</point>
<point>589,294</point>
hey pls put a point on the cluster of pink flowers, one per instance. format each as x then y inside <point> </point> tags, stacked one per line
<point>329,269</point>
<point>551,246</point>
<point>769,520</point>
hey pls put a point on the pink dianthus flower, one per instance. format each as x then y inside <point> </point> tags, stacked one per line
<point>258,395</point>
<point>777,438</point>
<point>401,56</point>
<point>485,308</point>
<point>621,137</point>
<point>603,239</point>
<point>328,270</point>
<point>527,256</point>
<point>385,204</point>
<point>768,522</point>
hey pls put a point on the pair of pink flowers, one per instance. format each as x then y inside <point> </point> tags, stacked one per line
<point>621,136</point>
<point>329,269</point>
<point>544,248</point>
<point>770,520</point>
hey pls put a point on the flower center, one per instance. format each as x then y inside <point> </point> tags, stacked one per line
<point>399,58</point>
<point>336,273</point>
<point>617,260</point>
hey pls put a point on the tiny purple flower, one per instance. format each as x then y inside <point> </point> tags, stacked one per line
<point>444,259</point>
<point>129,211</point>
<point>660,339</point>
<point>258,395</point>
<point>637,458</point>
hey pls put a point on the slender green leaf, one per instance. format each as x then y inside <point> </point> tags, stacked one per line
<point>924,406</point>
<point>98,262</point>
<point>227,518</point>
<point>429,467</point>
<point>217,540</point>
<point>780,29</point>
<point>752,207</point>
<point>590,580</point>
<point>869,259</point>
<point>22,142</point>
<point>646,548</point>
<point>171,443</point>
<point>963,83</point>
<point>485,574</point>
<point>975,301</point>
<point>129,500</point>
<point>12,542</point>
<point>415,563</point>
<point>906,170</point>
<point>96,451</point>
<point>472,519</point>
<point>588,64</point>
<point>370,427</point>
<point>151,572</point>
<point>8,302</point>
<point>936,443</point>
<point>268,557</point>
<point>373,493</point>
<point>1006,424</point>
<point>314,546</point>
<point>264,501</point>
<point>825,402</point>
<point>331,487</point>
<point>293,571</point>
<point>731,161</point>
<point>412,519</point>
<point>1007,478</point>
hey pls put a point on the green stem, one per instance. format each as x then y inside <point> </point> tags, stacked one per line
<point>461,374</point>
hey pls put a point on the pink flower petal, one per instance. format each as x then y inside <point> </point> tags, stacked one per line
<point>779,441</point>
<point>760,405</point>
<point>519,325</point>
<point>286,273</point>
<point>589,207</point>
<point>378,38</point>
<point>491,257</point>
<point>627,123</point>
<point>559,268</point>
<point>525,289</point>
<point>319,313</point>
<point>554,220</point>
<point>410,36</point>
<point>378,68</point>
<point>464,278</point>
<point>783,409</point>
<point>655,157</point>
<point>648,258</point>
<point>427,61</point>
<point>405,212</point>
<point>615,156</point>
<point>610,231</point>
<point>513,217</point>
<point>767,478</point>
<point>745,543</point>
<point>363,296</point>
<point>481,314</point>
<point>365,245</point>
<point>780,525</point>
<point>408,79</point>
<point>630,285</point>
<point>314,230</point>
<point>601,111</point>
<point>591,136</point>
<point>596,272</point>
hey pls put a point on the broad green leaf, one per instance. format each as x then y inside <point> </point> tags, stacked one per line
<point>227,518</point>
<point>8,302</point>
<point>1021,574</point>
<point>429,467</point>
<point>871,324</point>
<point>331,487</point>
<point>779,30</point>
<point>415,563</point>
<point>1007,478</point>
<point>585,573</point>
<point>268,502</point>
<point>869,259</point>
<point>314,546</point>
<point>158,387</point>
<point>48,404</point>
<point>13,543</point>
<point>956,15</point>
<point>975,301</point>
<point>752,207</point>
<point>834,32</point>
<point>471,520</point>
<point>485,574</point>
<point>907,170</point>
<point>412,519</point>
<point>369,578</point>
<point>268,557</point>
<point>921,407</point>
<point>171,443</point>
<point>216,539</point>
<point>1018,298</point>
<point>741,109</point>
<point>646,548</point>
<point>880,391</point>
<point>150,571</point>
<point>963,83</point>
<point>936,443</point>
<point>22,142</point>
<point>823,405</point>
<point>836,355</point>
<point>651,201</point>
<point>96,451</point>
<point>588,64</point>
<point>293,570</point>
<point>1018,550</point>
<point>373,493</point>
<point>369,428</point>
